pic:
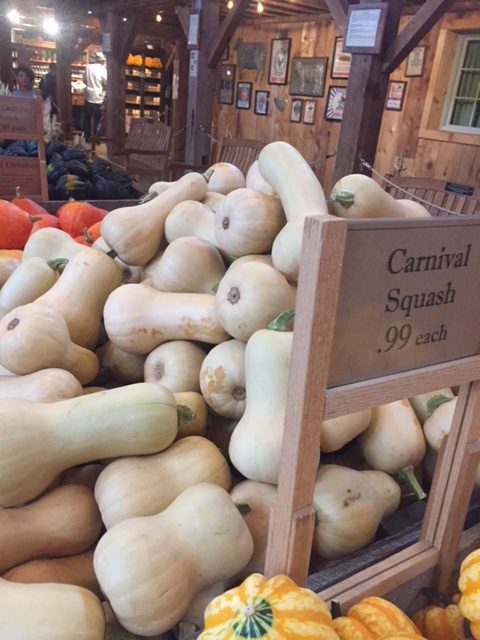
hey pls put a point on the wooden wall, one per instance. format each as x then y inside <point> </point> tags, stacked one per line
<point>399,143</point>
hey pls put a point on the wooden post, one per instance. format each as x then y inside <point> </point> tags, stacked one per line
<point>201,84</point>
<point>65,56</point>
<point>115,102</point>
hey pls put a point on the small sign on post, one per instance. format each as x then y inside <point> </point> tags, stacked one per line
<point>365,27</point>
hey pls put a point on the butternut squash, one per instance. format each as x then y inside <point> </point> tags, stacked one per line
<point>426,403</point>
<point>123,366</point>
<point>195,408</point>
<point>62,522</point>
<point>255,180</point>
<point>250,296</point>
<point>85,474</point>
<point>144,486</point>
<point>35,336</point>
<point>134,420</point>
<point>129,273</point>
<point>9,261</point>
<point>175,365</point>
<point>412,209</point>
<point>92,275</point>
<point>49,612</point>
<point>336,432</point>
<point>301,194</point>
<point>225,177</point>
<point>188,265</point>
<point>151,568</point>
<point>31,279</point>
<point>191,218</point>
<point>394,442</point>
<point>50,243</point>
<point>139,318</point>
<point>46,385</point>
<point>135,233</point>
<point>222,379</point>
<point>255,451</point>
<point>348,508</point>
<point>76,570</point>
<point>247,222</point>
<point>212,200</point>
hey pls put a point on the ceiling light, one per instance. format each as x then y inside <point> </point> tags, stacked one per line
<point>158,17</point>
<point>13,16</point>
<point>230,4</point>
<point>124,19</point>
<point>89,12</point>
<point>50,26</point>
<point>260,7</point>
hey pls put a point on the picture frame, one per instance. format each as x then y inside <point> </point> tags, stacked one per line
<point>260,106</point>
<point>395,95</point>
<point>365,28</point>
<point>341,61</point>
<point>296,110</point>
<point>335,103</point>
<point>279,59</point>
<point>309,109</point>
<point>415,62</point>
<point>307,77</point>
<point>244,95</point>
<point>226,53</point>
<point>226,83</point>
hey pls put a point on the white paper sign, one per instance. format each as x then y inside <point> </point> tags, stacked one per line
<point>193,26</point>
<point>193,63</point>
<point>362,28</point>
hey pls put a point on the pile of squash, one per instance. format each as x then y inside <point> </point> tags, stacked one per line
<point>133,491</point>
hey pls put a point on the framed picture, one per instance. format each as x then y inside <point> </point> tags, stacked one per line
<point>395,95</point>
<point>260,106</point>
<point>309,111</point>
<point>226,83</point>
<point>225,53</point>
<point>244,95</point>
<point>307,77</point>
<point>341,62</point>
<point>335,103</point>
<point>279,58</point>
<point>296,110</point>
<point>415,62</point>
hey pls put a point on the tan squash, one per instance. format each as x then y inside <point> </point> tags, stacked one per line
<point>426,403</point>
<point>255,180</point>
<point>188,265</point>
<point>222,379</point>
<point>130,274</point>
<point>9,261</point>
<point>138,419</point>
<point>336,432</point>
<point>144,486</point>
<point>151,574</point>
<point>250,296</point>
<point>175,365</point>
<point>92,276</point>
<point>62,522</point>
<point>6,372</point>
<point>30,280</point>
<point>50,243</point>
<point>46,385</point>
<point>35,336</point>
<point>192,420</point>
<point>135,233</point>
<point>49,611</point>
<point>138,318</point>
<point>253,258</point>
<point>191,218</point>
<point>247,222</point>
<point>212,200</point>
<point>123,366</point>
<point>76,570</point>
<point>226,177</point>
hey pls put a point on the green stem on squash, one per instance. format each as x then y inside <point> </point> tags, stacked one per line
<point>112,253</point>
<point>208,174</point>
<point>185,414</point>
<point>151,195</point>
<point>244,509</point>
<point>336,609</point>
<point>344,198</point>
<point>34,218</point>
<point>407,474</point>
<point>280,323</point>
<point>57,264</point>
<point>88,238</point>
<point>214,289</point>
<point>436,401</point>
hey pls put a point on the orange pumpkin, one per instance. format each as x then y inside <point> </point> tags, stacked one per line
<point>75,216</point>
<point>42,220</point>
<point>15,226</point>
<point>440,623</point>
<point>381,618</point>
<point>26,204</point>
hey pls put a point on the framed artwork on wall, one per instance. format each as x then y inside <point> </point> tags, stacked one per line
<point>415,62</point>
<point>341,61</point>
<point>395,95</point>
<point>309,111</point>
<point>335,103</point>
<point>279,59</point>
<point>260,106</point>
<point>244,95</point>
<point>296,110</point>
<point>226,83</point>
<point>226,53</point>
<point>307,77</point>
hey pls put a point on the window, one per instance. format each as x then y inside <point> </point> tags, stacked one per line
<point>462,109</point>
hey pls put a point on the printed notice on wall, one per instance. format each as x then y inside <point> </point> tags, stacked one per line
<point>19,172</point>
<point>365,28</point>
<point>409,297</point>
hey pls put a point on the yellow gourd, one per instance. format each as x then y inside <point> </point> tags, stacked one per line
<point>440,623</point>
<point>469,587</point>
<point>351,629</point>
<point>383,619</point>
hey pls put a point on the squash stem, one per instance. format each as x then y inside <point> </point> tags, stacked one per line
<point>87,237</point>
<point>336,609</point>
<point>112,253</point>
<point>244,509</point>
<point>185,414</point>
<point>214,289</point>
<point>436,401</point>
<point>151,195</point>
<point>407,474</point>
<point>208,174</point>
<point>57,264</point>
<point>19,192</point>
<point>344,198</point>
<point>280,323</point>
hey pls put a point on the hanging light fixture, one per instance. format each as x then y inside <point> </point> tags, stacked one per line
<point>158,17</point>
<point>260,7</point>
<point>50,26</point>
<point>124,19</point>
<point>13,16</point>
<point>230,4</point>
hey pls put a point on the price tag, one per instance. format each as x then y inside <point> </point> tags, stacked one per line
<point>17,118</point>
<point>409,297</point>
<point>19,172</point>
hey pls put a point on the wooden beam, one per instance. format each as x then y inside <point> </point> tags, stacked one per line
<point>229,25</point>
<point>302,17</point>
<point>421,23</point>
<point>183,15</point>
<point>339,11</point>
<point>130,31</point>
<point>115,101</point>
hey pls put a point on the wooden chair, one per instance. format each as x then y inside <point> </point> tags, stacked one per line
<point>441,194</point>
<point>148,147</point>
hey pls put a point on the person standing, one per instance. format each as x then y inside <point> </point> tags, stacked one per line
<point>24,78</point>
<point>48,89</point>
<point>95,78</point>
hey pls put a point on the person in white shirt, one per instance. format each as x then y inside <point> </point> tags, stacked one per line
<point>95,78</point>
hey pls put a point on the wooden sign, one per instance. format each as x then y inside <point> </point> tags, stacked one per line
<point>365,27</point>
<point>19,172</point>
<point>409,297</point>
<point>18,118</point>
